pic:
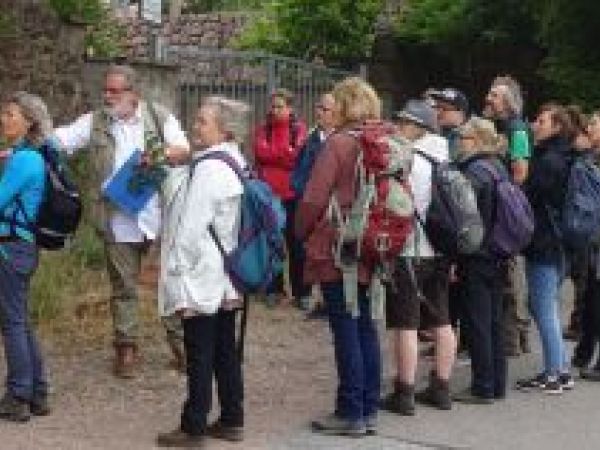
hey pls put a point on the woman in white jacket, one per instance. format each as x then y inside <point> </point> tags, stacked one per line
<point>193,281</point>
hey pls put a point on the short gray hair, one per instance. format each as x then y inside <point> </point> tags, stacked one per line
<point>129,73</point>
<point>34,109</point>
<point>232,116</point>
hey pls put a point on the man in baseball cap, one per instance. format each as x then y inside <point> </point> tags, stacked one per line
<point>452,108</point>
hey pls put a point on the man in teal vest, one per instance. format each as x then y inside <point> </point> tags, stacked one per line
<point>111,135</point>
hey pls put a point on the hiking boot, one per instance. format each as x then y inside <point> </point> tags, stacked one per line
<point>566,381</point>
<point>333,425</point>
<point>125,361</point>
<point>437,394</point>
<point>528,384</point>
<point>14,409</point>
<point>590,373</point>
<point>401,400</point>
<point>39,406</point>
<point>229,433</point>
<point>180,439</point>
<point>371,424</point>
<point>469,398</point>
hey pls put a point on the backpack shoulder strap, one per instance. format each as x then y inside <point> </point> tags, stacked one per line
<point>159,115</point>
<point>224,157</point>
<point>424,155</point>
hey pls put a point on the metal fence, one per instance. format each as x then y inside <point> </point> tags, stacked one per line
<point>249,77</point>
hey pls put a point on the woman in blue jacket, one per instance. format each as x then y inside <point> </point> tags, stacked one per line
<point>24,124</point>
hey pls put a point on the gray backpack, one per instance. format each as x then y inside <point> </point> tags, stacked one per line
<point>453,224</point>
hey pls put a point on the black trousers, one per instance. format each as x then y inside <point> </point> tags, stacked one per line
<point>589,320</point>
<point>210,348</point>
<point>482,288</point>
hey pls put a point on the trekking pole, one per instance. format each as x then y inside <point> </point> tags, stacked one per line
<point>243,324</point>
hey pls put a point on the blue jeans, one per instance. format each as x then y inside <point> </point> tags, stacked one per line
<point>25,371</point>
<point>357,354</point>
<point>543,281</point>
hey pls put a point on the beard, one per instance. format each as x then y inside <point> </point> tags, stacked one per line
<point>121,109</point>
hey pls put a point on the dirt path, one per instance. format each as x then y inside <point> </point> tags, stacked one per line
<point>288,373</point>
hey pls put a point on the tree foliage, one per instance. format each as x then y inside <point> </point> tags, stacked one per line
<point>331,30</point>
<point>564,32</point>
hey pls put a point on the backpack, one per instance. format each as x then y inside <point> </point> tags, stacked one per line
<point>258,257</point>
<point>381,215</point>
<point>580,215</point>
<point>305,162</point>
<point>453,224</point>
<point>60,211</point>
<point>513,219</point>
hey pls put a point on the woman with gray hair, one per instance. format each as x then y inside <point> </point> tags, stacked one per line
<point>193,277</point>
<point>24,125</point>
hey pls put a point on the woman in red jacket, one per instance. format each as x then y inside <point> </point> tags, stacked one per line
<point>276,146</point>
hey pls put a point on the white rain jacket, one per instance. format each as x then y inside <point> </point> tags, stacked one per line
<point>192,276</point>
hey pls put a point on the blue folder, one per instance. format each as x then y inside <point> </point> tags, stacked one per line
<point>118,191</point>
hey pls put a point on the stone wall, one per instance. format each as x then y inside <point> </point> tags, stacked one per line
<point>40,54</point>
<point>45,56</point>
<point>210,31</point>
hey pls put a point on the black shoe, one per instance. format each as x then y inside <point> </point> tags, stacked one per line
<point>218,430</point>
<point>14,409</point>
<point>571,334</point>
<point>528,384</point>
<point>39,405</point>
<point>333,425</point>
<point>469,398</point>
<point>552,386</point>
<point>566,381</point>
<point>401,401</point>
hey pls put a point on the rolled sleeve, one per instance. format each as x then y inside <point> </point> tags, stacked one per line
<point>76,135</point>
<point>174,134</point>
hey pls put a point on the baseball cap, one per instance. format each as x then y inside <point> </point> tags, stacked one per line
<point>452,96</point>
<point>420,113</point>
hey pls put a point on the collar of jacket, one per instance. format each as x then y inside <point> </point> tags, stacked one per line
<point>554,143</point>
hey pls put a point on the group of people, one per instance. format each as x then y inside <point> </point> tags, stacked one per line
<point>477,303</point>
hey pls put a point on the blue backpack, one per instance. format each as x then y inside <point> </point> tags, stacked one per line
<point>258,257</point>
<point>580,217</point>
<point>305,162</point>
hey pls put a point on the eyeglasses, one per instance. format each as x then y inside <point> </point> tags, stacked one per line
<point>115,91</point>
<point>467,137</point>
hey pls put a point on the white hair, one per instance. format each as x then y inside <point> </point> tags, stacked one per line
<point>34,109</point>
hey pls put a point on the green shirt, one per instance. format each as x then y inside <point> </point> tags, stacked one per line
<point>519,140</point>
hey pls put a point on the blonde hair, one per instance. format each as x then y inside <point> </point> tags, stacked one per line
<point>232,116</point>
<point>34,109</point>
<point>487,138</point>
<point>357,101</point>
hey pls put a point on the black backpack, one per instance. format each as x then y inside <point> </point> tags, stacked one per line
<point>60,212</point>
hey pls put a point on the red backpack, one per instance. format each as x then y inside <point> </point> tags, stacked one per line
<point>381,218</point>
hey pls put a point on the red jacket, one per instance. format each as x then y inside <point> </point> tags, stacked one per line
<point>276,157</point>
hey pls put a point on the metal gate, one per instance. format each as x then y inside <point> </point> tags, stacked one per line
<point>249,77</point>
